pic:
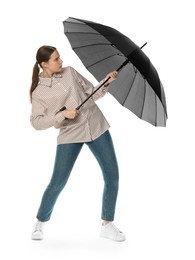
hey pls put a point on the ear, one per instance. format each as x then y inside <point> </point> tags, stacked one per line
<point>43,64</point>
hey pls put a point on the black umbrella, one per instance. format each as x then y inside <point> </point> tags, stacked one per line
<point>103,49</point>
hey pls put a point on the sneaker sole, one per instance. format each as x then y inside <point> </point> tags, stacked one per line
<point>102,235</point>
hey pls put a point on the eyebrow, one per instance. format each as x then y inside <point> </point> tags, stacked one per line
<point>56,58</point>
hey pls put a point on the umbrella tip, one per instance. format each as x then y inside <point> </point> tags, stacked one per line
<point>143,45</point>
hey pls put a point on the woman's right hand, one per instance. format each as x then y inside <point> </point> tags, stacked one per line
<point>70,114</point>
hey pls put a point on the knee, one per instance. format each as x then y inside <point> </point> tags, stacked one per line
<point>55,187</point>
<point>112,180</point>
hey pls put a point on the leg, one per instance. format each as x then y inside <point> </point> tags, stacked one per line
<point>66,156</point>
<point>103,150</point>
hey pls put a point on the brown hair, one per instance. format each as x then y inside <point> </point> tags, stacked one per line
<point>43,55</point>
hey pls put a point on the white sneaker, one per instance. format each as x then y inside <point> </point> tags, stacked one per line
<point>110,231</point>
<point>37,233</point>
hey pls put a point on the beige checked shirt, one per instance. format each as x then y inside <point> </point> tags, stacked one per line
<point>69,89</point>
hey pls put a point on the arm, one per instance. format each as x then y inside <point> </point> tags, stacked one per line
<point>39,118</point>
<point>89,88</point>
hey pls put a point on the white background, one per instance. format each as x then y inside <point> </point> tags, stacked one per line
<point>155,206</point>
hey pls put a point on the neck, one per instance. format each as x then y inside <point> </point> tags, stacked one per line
<point>47,74</point>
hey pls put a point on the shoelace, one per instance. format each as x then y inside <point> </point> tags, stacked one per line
<point>115,228</point>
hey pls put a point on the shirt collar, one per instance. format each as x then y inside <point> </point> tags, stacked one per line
<point>48,81</point>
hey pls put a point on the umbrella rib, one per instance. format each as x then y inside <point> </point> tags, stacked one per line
<point>130,88</point>
<point>83,33</point>
<point>102,60</point>
<point>165,118</point>
<point>156,116</point>
<point>144,99</point>
<point>81,24</point>
<point>94,44</point>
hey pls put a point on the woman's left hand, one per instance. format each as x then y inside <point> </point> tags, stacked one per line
<point>113,75</point>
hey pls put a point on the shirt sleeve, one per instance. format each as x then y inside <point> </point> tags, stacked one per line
<point>39,118</point>
<point>88,87</point>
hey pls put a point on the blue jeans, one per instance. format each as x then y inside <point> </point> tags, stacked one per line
<point>66,155</point>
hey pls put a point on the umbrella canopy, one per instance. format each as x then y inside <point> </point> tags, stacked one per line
<point>103,49</point>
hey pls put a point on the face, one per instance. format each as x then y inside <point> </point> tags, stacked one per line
<point>53,65</point>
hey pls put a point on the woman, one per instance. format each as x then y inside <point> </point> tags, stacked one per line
<point>52,89</point>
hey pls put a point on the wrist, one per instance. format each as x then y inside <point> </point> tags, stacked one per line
<point>62,113</point>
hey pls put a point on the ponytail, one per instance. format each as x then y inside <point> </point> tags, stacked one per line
<point>35,79</point>
<point>43,55</point>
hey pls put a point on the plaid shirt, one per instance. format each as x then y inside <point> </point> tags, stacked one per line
<point>69,89</point>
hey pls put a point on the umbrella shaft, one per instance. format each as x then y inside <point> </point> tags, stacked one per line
<point>124,63</point>
<point>77,108</point>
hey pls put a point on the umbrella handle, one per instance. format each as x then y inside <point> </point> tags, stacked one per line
<point>61,109</point>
